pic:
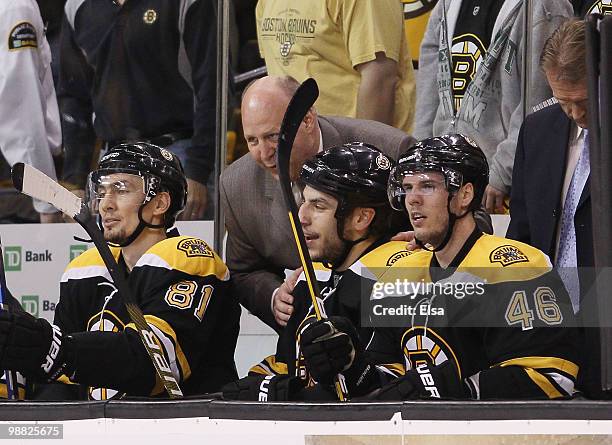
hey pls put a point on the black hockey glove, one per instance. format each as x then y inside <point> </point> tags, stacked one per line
<point>263,388</point>
<point>426,382</point>
<point>332,346</point>
<point>31,346</point>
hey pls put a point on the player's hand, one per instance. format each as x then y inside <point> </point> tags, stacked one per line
<point>31,346</point>
<point>197,201</point>
<point>493,200</point>
<point>282,299</point>
<point>332,346</point>
<point>263,388</point>
<point>408,237</point>
<point>426,382</point>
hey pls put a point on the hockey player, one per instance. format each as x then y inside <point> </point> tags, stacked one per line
<point>487,317</point>
<point>346,221</point>
<point>179,283</point>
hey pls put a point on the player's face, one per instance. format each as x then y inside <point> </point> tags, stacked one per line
<point>119,196</point>
<point>320,225</point>
<point>261,122</point>
<point>572,96</point>
<point>426,201</point>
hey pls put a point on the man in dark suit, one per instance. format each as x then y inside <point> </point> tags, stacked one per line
<point>550,205</point>
<point>260,244</point>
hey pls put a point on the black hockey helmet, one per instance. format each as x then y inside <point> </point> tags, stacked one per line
<point>160,170</point>
<point>356,174</point>
<point>457,157</point>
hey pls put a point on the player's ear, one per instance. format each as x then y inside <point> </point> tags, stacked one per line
<point>465,195</point>
<point>310,117</point>
<point>362,218</point>
<point>161,203</point>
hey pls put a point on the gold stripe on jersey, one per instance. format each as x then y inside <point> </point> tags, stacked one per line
<point>492,259</point>
<point>394,369</point>
<point>89,264</point>
<point>180,253</point>
<point>269,366</point>
<point>541,371</point>
<point>65,380</point>
<point>565,366</point>
<point>4,392</point>
<point>373,264</point>
<point>169,342</point>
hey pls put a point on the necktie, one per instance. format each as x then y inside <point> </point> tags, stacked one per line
<point>567,262</point>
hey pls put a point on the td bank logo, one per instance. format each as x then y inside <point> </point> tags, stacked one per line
<point>30,304</point>
<point>12,258</point>
<point>76,250</point>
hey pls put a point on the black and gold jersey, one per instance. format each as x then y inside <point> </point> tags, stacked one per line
<point>342,294</point>
<point>499,313</point>
<point>181,286</point>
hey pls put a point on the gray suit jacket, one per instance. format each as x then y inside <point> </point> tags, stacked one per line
<point>260,244</point>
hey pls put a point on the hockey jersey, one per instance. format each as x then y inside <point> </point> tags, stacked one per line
<point>181,286</point>
<point>499,314</point>
<point>342,294</point>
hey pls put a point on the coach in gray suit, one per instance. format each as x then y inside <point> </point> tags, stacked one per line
<point>260,244</point>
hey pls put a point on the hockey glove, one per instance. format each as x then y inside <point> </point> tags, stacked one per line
<point>263,388</point>
<point>426,382</point>
<point>31,346</point>
<point>332,346</point>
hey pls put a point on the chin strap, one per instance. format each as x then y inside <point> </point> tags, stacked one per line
<point>138,230</point>
<point>348,244</point>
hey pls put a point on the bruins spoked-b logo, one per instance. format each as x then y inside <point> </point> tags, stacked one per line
<point>23,35</point>
<point>150,16</point>
<point>467,55</point>
<point>194,247</point>
<point>601,7</point>
<point>423,345</point>
<point>506,255</point>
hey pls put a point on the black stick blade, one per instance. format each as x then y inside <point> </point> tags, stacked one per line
<point>303,99</point>
<point>17,176</point>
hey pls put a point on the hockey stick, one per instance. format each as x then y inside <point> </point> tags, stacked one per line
<point>303,99</point>
<point>36,184</point>
<point>12,389</point>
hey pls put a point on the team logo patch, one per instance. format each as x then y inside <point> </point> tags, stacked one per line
<point>421,345</point>
<point>166,154</point>
<point>23,35</point>
<point>506,255</point>
<point>195,247</point>
<point>383,162</point>
<point>397,256</point>
<point>150,16</point>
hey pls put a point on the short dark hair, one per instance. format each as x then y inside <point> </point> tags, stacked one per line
<point>564,52</point>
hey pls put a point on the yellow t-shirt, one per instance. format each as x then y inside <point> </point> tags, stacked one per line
<point>327,39</point>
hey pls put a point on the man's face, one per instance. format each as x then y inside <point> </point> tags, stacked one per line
<point>261,122</point>
<point>572,96</point>
<point>119,196</point>
<point>426,201</point>
<point>320,225</point>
